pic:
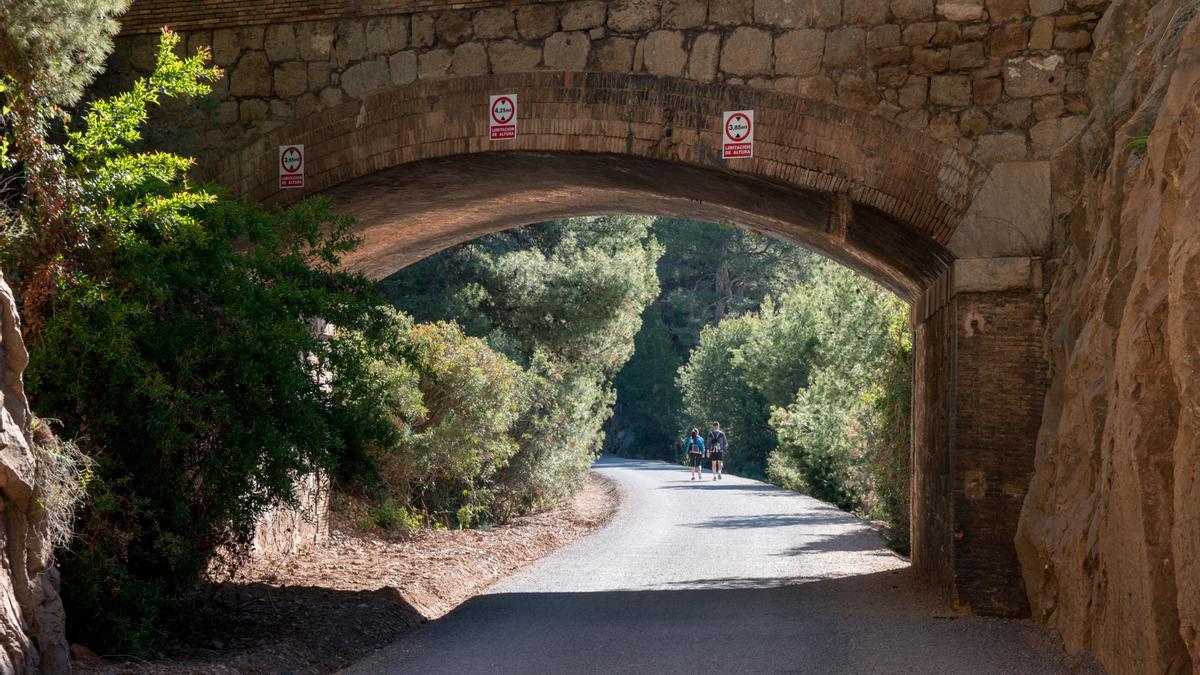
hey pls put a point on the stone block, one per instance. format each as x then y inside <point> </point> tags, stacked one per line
<point>567,51</point>
<point>702,65</point>
<point>583,15</point>
<point>914,119</point>
<point>365,76</point>
<point>747,52</point>
<point>613,55</point>
<point>227,112</point>
<point>1008,39</point>
<point>799,52</point>
<point>866,12</point>
<point>798,13</point>
<point>1011,215</point>
<point>314,40</point>
<point>1048,107</point>
<point>1006,146</point>
<point>890,56</point>
<point>453,28</point>
<point>730,12</point>
<point>280,43</point>
<point>683,14</point>
<point>508,56</point>
<point>961,11</point>
<point>914,93</point>
<point>493,23</point>
<point>993,275</point>
<point>909,11</point>
<point>857,89</point>
<point>919,34</point>
<point>631,16</point>
<point>972,122</point>
<point>226,48</point>
<point>967,55</point>
<point>892,76</point>
<point>1041,37</point>
<point>929,61</point>
<point>318,75</point>
<point>291,79</point>
<point>387,34</point>
<point>1073,39</point>
<point>845,47</point>
<point>251,37</point>
<point>402,67</point>
<point>1044,7</point>
<point>252,76</point>
<point>350,43</point>
<point>1049,135</point>
<point>424,30</point>
<point>435,63</point>
<point>951,90</point>
<point>1034,76</point>
<point>946,33</point>
<point>1007,10</point>
<point>330,96</point>
<point>884,36</point>
<point>469,58</point>
<point>1012,114</point>
<point>282,110</point>
<point>987,91</point>
<point>663,53</point>
<point>253,110</point>
<point>535,22</point>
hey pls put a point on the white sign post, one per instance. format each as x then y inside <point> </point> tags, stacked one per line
<point>291,166</point>
<point>737,134</point>
<point>502,117</point>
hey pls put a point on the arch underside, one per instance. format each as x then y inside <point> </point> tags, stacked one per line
<point>410,211</point>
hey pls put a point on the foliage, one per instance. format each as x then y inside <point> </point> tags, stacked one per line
<point>708,273</point>
<point>172,337</point>
<point>450,432</point>
<point>827,434</point>
<point>564,300</point>
<point>63,474</point>
<point>51,49</point>
<point>715,387</point>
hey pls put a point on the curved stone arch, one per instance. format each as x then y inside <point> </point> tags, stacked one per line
<point>416,168</point>
<point>847,160</point>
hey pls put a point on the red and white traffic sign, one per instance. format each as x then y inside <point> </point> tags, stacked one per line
<point>502,117</point>
<point>737,134</point>
<point>291,166</point>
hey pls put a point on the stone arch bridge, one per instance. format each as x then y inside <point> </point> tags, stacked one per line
<point>908,139</point>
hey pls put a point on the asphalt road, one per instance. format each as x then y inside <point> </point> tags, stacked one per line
<point>728,576</point>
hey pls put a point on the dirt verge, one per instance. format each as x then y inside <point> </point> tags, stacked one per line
<point>323,609</point>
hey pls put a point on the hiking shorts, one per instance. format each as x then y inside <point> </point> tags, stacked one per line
<point>697,459</point>
<point>717,456</point>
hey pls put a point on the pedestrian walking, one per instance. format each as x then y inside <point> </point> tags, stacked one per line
<point>695,454</point>
<point>717,444</point>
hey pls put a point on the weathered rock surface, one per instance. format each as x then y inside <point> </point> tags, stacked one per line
<point>32,638</point>
<point>1110,532</point>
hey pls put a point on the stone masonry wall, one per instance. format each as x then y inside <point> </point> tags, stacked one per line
<point>1002,79</point>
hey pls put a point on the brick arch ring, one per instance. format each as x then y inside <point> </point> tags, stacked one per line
<point>415,165</point>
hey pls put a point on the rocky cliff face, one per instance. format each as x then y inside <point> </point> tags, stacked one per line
<point>32,638</point>
<point>1109,539</point>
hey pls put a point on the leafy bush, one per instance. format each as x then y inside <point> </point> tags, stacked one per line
<point>171,333</point>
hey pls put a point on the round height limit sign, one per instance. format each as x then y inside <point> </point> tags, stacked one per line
<point>502,117</point>
<point>291,166</point>
<point>737,134</point>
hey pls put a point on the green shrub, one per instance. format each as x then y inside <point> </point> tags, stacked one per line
<point>171,333</point>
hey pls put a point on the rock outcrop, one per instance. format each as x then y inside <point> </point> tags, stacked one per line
<point>32,637</point>
<point>1109,538</point>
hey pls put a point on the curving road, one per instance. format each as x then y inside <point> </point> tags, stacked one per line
<point>736,575</point>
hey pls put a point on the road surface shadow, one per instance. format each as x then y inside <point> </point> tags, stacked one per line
<point>876,623</point>
<point>777,520</point>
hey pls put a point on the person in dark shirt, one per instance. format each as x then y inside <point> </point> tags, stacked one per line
<point>695,453</point>
<point>717,443</point>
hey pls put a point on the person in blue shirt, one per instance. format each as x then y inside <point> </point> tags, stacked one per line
<point>695,453</point>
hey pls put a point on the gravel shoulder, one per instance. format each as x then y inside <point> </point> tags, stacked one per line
<point>337,602</point>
